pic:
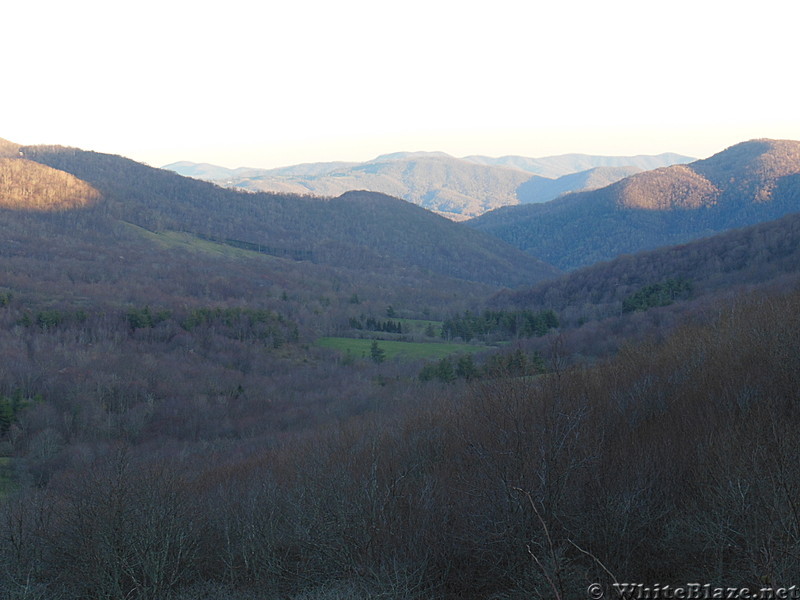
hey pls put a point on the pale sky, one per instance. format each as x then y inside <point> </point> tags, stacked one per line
<point>267,84</point>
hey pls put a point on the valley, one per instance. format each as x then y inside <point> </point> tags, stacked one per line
<point>209,392</point>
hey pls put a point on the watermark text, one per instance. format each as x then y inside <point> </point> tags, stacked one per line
<point>689,591</point>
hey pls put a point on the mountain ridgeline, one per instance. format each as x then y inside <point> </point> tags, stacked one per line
<point>748,183</point>
<point>361,230</point>
<point>553,167</point>
<point>454,187</point>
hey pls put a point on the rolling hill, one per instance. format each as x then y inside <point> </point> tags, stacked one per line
<point>357,230</point>
<point>748,183</point>
<point>456,188</point>
<point>735,259</point>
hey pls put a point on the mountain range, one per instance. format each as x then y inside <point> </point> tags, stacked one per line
<point>512,246</point>
<point>554,167</point>
<point>454,187</point>
<point>356,230</point>
<point>206,372</point>
<point>748,183</point>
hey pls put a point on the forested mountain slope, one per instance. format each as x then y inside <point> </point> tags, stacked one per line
<point>454,187</point>
<point>28,185</point>
<point>132,439</point>
<point>356,230</point>
<point>746,184</point>
<point>733,260</point>
<point>8,148</point>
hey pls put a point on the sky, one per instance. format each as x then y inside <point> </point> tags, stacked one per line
<point>275,83</point>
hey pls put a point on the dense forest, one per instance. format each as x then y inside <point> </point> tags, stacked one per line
<point>746,184</point>
<point>171,427</point>
<point>735,259</point>
<point>363,230</point>
<point>31,186</point>
<point>141,483</point>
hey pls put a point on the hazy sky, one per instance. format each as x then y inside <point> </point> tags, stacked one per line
<point>246,83</point>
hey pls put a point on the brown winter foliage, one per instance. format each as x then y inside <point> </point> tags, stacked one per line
<point>8,149</point>
<point>736,258</point>
<point>27,185</point>
<point>363,230</point>
<point>752,168</point>
<point>667,188</point>
<point>669,463</point>
<point>749,169</point>
<point>169,431</point>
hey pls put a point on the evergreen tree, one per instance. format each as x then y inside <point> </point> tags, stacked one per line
<point>377,353</point>
<point>445,371</point>
<point>465,367</point>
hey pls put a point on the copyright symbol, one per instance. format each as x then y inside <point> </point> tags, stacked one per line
<point>595,591</point>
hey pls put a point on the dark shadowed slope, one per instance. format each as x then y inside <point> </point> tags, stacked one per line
<point>543,189</point>
<point>734,259</point>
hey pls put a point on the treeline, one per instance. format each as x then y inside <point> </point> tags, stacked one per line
<point>235,322</point>
<point>497,364</point>
<point>373,324</point>
<point>48,319</point>
<point>244,323</point>
<point>294,253</point>
<point>670,463</point>
<point>657,294</point>
<point>499,324</point>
